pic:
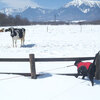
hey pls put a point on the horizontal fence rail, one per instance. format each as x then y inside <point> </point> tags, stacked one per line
<point>44,59</point>
<point>14,59</point>
<point>62,59</point>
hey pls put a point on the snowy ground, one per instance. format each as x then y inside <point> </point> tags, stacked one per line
<point>49,41</point>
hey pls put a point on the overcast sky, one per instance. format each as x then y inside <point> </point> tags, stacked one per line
<point>52,4</point>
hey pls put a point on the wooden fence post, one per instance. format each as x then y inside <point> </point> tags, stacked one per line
<point>32,66</point>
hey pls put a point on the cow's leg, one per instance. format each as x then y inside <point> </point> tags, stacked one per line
<point>13,41</point>
<point>23,39</point>
<point>21,42</point>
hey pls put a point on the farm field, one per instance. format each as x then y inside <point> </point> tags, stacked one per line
<point>46,41</point>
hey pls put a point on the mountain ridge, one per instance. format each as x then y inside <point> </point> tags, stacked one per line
<point>74,10</point>
<point>91,3</point>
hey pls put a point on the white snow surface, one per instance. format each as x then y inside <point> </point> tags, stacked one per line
<point>49,41</point>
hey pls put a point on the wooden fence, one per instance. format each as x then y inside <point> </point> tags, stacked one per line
<point>33,60</point>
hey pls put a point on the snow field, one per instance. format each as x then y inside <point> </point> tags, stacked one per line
<point>49,41</point>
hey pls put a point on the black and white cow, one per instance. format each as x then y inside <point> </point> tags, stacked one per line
<point>17,33</point>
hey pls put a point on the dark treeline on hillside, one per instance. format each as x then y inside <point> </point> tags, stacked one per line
<point>95,22</point>
<point>12,21</point>
<point>17,20</point>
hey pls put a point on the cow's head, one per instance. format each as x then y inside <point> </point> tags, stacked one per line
<point>8,30</point>
<point>12,31</point>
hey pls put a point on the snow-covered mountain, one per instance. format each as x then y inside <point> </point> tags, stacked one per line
<point>31,13</point>
<point>37,14</point>
<point>74,10</point>
<point>11,11</point>
<point>91,3</point>
<point>84,5</point>
<point>80,10</point>
<point>15,11</point>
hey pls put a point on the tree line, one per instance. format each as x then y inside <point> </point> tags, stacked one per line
<point>12,21</point>
<point>17,20</point>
